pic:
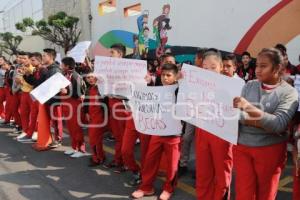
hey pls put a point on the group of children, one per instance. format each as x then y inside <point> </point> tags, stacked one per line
<point>268,106</point>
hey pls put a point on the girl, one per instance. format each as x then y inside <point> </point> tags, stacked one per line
<point>268,104</point>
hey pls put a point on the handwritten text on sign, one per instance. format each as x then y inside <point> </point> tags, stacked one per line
<point>119,76</point>
<point>205,99</point>
<point>153,110</point>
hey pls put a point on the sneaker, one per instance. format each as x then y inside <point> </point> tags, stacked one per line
<point>136,179</point>
<point>23,134</point>
<point>78,154</point>
<point>165,195</point>
<point>24,139</point>
<point>140,194</point>
<point>34,136</point>
<point>18,130</point>
<point>70,152</point>
<point>55,144</point>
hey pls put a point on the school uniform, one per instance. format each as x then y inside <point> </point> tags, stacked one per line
<point>2,92</point>
<point>53,107</point>
<point>12,100</point>
<point>96,124</point>
<point>260,155</point>
<point>72,109</point>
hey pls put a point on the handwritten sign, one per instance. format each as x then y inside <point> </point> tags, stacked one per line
<point>153,110</point>
<point>79,52</point>
<point>297,86</point>
<point>205,99</point>
<point>50,88</point>
<point>119,76</point>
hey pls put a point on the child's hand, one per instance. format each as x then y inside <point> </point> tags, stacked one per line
<point>148,78</point>
<point>240,102</point>
<point>63,91</point>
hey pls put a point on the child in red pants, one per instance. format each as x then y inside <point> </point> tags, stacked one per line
<point>72,100</point>
<point>158,145</point>
<point>93,107</point>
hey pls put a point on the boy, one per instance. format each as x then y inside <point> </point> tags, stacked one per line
<point>72,98</point>
<point>117,110</point>
<point>53,105</point>
<point>230,65</point>
<point>246,71</point>
<point>158,145</point>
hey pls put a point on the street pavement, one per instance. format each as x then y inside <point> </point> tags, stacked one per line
<point>28,174</point>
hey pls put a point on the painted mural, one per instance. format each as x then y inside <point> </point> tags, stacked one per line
<point>275,21</point>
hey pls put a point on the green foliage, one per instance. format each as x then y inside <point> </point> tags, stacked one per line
<point>59,29</point>
<point>9,43</point>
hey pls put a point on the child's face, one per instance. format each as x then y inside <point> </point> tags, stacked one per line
<point>246,59</point>
<point>212,63</point>
<point>91,79</point>
<point>229,68</point>
<point>264,69</point>
<point>168,77</point>
<point>115,54</point>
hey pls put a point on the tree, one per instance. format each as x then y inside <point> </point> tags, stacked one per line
<point>60,29</point>
<point>10,43</point>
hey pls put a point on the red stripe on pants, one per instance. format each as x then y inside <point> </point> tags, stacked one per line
<point>25,106</point>
<point>117,124</point>
<point>12,107</point>
<point>213,166</point>
<point>95,131</point>
<point>2,100</point>
<point>157,146</point>
<point>70,110</point>
<point>258,170</point>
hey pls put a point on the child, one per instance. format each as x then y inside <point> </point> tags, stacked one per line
<point>246,71</point>
<point>94,113</point>
<point>213,154</point>
<point>230,66</point>
<point>260,155</point>
<point>157,146</point>
<point>72,98</point>
<point>117,111</point>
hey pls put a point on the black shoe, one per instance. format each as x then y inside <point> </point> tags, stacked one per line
<point>5,124</point>
<point>95,164</point>
<point>119,169</point>
<point>55,144</point>
<point>182,170</point>
<point>110,165</point>
<point>136,179</point>
<point>18,130</point>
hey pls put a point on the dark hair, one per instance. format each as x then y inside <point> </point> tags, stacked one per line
<point>274,55</point>
<point>69,61</point>
<point>231,57</point>
<point>213,52</point>
<point>50,52</point>
<point>120,48</point>
<point>3,57</point>
<point>23,53</point>
<point>281,48</point>
<point>200,52</point>
<point>170,67</point>
<point>164,56</point>
<point>37,55</point>
<point>246,53</point>
<point>146,28</point>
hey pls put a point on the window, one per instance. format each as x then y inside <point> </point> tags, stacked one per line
<point>133,10</point>
<point>107,6</point>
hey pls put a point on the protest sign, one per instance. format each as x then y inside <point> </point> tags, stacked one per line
<point>118,76</point>
<point>79,52</point>
<point>205,99</point>
<point>153,110</point>
<point>50,88</point>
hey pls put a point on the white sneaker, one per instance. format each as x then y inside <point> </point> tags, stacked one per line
<point>34,136</point>
<point>78,154</point>
<point>70,152</point>
<point>23,134</point>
